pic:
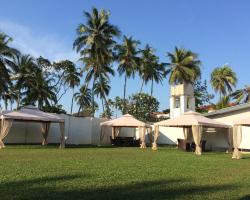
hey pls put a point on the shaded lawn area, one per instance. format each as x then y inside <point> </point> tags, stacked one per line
<point>34,172</point>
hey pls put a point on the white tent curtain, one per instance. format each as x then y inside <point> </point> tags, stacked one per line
<point>142,134</point>
<point>237,137</point>
<point>197,134</point>
<point>156,135</point>
<point>185,131</point>
<point>230,139</point>
<point>150,135</point>
<point>62,138</point>
<point>45,126</point>
<point>4,130</point>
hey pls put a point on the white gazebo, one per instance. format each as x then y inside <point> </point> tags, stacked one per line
<point>190,122</point>
<point>31,114</point>
<point>127,121</point>
<point>237,135</point>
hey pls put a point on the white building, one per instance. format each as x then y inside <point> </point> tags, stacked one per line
<point>181,99</point>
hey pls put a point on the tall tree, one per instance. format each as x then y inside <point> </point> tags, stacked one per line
<point>223,79</point>
<point>184,66</point>
<point>6,62</point>
<point>71,78</point>
<point>39,90</point>
<point>128,58</point>
<point>146,63</point>
<point>101,89</point>
<point>157,73</point>
<point>83,97</point>
<point>95,43</point>
<point>23,74</point>
<point>242,95</point>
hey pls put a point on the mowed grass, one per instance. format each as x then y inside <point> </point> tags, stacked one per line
<point>33,172</point>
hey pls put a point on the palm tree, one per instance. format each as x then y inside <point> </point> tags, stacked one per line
<point>71,78</point>
<point>95,42</point>
<point>101,89</point>
<point>146,63</point>
<point>128,61</point>
<point>223,79</point>
<point>242,95</point>
<point>22,74</point>
<point>6,64</point>
<point>157,73</point>
<point>184,66</point>
<point>83,97</point>
<point>39,90</point>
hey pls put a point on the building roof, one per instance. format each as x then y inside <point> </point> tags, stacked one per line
<point>191,118</point>
<point>228,110</point>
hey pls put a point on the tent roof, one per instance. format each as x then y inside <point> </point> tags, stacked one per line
<point>125,121</point>
<point>242,121</point>
<point>31,113</point>
<point>191,118</point>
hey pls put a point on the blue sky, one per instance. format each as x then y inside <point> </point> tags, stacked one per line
<point>218,30</point>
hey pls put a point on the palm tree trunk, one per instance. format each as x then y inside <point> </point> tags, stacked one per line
<point>11,103</point>
<point>72,101</point>
<point>102,106</point>
<point>6,104</point>
<point>152,87</point>
<point>93,99</point>
<point>142,85</point>
<point>124,94</point>
<point>18,100</point>
<point>107,105</point>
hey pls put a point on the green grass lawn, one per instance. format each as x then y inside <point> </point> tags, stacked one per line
<point>33,172</point>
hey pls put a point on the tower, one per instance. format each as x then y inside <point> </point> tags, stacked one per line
<point>181,99</point>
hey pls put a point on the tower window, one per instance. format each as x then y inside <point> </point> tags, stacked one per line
<point>177,102</point>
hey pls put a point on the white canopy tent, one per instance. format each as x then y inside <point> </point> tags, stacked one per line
<point>31,114</point>
<point>126,121</point>
<point>237,135</point>
<point>190,121</point>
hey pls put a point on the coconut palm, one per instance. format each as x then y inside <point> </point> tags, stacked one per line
<point>6,64</point>
<point>223,79</point>
<point>83,97</point>
<point>39,90</point>
<point>22,74</point>
<point>157,73</point>
<point>95,42</point>
<point>101,89</point>
<point>127,56</point>
<point>71,78</point>
<point>242,95</point>
<point>184,66</point>
<point>150,68</point>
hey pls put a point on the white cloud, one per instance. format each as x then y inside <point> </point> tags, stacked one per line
<point>28,42</point>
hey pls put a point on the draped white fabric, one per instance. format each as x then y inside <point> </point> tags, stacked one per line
<point>237,138</point>
<point>156,135</point>
<point>230,139</point>
<point>4,130</point>
<point>45,132</point>
<point>62,138</point>
<point>197,134</point>
<point>143,134</point>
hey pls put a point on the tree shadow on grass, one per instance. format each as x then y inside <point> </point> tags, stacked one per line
<point>67,187</point>
<point>247,197</point>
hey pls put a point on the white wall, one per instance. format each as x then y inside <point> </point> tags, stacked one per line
<point>78,130</point>
<point>230,117</point>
